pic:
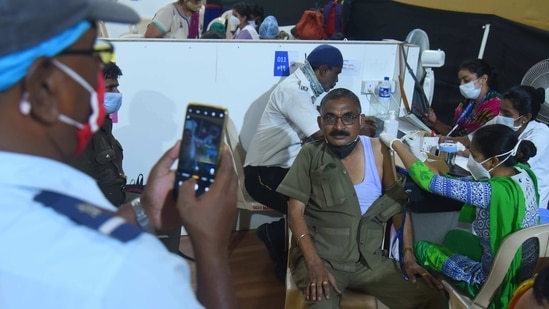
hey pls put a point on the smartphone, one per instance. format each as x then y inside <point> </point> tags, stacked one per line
<point>203,134</point>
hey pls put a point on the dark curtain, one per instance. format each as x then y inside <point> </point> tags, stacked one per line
<point>512,48</point>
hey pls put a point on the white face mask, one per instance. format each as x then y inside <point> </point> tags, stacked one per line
<point>97,116</point>
<point>234,21</point>
<point>469,91</point>
<point>479,172</point>
<point>94,102</point>
<point>508,122</point>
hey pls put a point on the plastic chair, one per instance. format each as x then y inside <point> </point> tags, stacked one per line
<point>140,27</point>
<point>501,263</point>
<point>102,29</point>
<point>245,202</point>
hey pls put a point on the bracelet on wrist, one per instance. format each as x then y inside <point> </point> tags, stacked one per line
<point>407,249</point>
<point>300,237</point>
<point>141,216</point>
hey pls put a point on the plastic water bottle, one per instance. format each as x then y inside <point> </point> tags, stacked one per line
<point>391,125</point>
<point>385,92</point>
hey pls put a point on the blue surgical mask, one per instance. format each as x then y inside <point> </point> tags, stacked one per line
<point>113,101</point>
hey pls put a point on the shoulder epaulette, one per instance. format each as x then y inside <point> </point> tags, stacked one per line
<point>90,216</point>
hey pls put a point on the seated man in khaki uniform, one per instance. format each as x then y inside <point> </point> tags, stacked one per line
<point>342,190</point>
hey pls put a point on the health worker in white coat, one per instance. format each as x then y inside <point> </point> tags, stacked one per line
<point>519,108</point>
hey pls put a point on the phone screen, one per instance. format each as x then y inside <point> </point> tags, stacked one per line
<point>200,146</point>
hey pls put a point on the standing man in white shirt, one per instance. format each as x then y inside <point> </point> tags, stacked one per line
<point>289,120</point>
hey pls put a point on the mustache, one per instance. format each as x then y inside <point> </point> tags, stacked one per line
<point>339,133</point>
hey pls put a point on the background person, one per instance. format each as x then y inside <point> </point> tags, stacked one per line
<point>257,15</point>
<point>533,293</point>
<point>102,158</point>
<point>268,30</point>
<point>241,18</point>
<point>289,119</point>
<point>519,108</point>
<point>481,100</point>
<point>522,104</point>
<point>337,211</point>
<point>91,254</point>
<point>500,198</point>
<point>179,20</point>
<point>216,30</point>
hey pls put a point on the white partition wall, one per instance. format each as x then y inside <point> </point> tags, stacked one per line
<point>161,76</point>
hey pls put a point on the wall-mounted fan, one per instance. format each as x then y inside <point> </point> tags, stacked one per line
<point>428,59</point>
<point>538,77</point>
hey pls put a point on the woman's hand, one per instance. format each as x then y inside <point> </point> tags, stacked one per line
<point>430,118</point>
<point>412,268</point>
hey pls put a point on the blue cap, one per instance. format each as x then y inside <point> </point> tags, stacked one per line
<point>269,28</point>
<point>27,23</point>
<point>326,54</point>
<point>448,147</point>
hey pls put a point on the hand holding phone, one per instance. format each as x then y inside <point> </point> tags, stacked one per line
<point>201,142</point>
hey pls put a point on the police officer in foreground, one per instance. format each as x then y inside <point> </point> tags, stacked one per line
<point>86,253</point>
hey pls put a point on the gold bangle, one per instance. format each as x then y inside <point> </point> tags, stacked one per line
<point>407,249</point>
<point>300,237</point>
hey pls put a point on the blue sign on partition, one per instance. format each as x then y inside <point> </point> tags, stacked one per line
<point>281,64</point>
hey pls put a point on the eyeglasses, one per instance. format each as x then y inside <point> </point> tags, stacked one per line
<point>347,119</point>
<point>102,49</point>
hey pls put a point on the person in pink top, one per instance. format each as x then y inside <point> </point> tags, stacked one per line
<point>481,100</point>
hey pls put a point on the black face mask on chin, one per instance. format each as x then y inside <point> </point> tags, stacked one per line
<point>343,151</point>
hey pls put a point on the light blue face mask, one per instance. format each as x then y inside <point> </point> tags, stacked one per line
<point>113,101</point>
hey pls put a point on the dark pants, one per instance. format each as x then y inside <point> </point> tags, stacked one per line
<point>261,183</point>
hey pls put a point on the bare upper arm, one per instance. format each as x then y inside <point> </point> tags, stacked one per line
<point>153,32</point>
<point>384,163</point>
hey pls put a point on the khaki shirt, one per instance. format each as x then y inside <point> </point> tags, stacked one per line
<point>341,235</point>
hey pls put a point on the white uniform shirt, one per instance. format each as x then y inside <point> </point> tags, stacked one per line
<point>250,28</point>
<point>289,117</point>
<point>48,261</point>
<point>538,133</point>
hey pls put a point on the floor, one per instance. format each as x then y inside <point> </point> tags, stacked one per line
<point>255,283</point>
